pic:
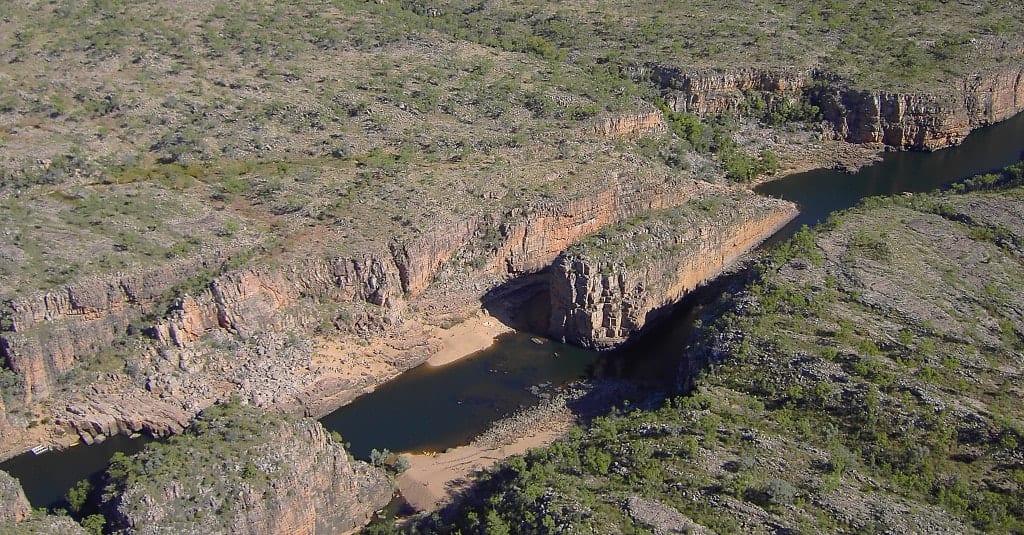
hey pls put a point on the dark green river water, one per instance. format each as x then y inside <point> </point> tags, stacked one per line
<point>436,408</point>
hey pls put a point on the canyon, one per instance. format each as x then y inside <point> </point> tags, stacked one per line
<point>286,205</point>
<point>253,329</point>
<point>286,476</point>
<point>607,287</point>
<point>237,331</point>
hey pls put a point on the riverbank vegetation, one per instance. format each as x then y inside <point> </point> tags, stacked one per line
<point>866,379</point>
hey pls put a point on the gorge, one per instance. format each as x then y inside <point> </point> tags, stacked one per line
<point>414,426</point>
<point>301,211</point>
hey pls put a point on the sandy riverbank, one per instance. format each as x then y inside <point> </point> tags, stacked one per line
<point>463,339</point>
<point>435,478</point>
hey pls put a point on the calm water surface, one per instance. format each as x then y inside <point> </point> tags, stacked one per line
<point>430,408</point>
<point>48,476</point>
<point>824,191</point>
<point>436,408</point>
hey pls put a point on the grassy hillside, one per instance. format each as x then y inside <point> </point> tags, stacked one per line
<point>867,380</point>
<point>919,45</point>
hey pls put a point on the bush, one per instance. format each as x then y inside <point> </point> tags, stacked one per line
<point>780,492</point>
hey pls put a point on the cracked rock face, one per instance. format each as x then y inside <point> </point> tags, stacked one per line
<point>905,121</point>
<point>606,289</point>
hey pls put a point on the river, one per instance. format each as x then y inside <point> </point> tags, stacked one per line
<point>435,408</point>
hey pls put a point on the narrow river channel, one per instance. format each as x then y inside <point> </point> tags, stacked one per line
<point>436,408</point>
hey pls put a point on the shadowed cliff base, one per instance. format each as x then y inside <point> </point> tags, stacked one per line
<point>523,303</point>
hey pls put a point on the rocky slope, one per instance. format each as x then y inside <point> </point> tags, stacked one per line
<point>239,470</point>
<point>607,287</point>
<point>629,125</point>
<point>905,121</point>
<point>13,505</point>
<point>43,524</point>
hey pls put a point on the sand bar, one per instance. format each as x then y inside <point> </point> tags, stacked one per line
<point>468,337</point>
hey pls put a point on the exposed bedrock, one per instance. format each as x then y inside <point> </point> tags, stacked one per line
<point>908,121</point>
<point>531,238</point>
<point>627,125</point>
<point>417,260</point>
<point>606,288</point>
<point>285,477</point>
<point>181,308</point>
<point>247,301</point>
<point>13,504</point>
<point>41,335</point>
<point>5,427</point>
<point>49,334</point>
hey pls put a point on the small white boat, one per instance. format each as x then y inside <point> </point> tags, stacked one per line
<point>42,448</point>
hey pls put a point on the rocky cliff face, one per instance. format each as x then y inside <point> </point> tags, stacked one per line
<point>418,259</point>
<point>4,425</point>
<point>13,504</point>
<point>247,301</point>
<point>236,470</point>
<point>713,91</point>
<point>608,287</point>
<point>533,238</point>
<point>45,333</point>
<point>904,121</point>
<point>629,125</point>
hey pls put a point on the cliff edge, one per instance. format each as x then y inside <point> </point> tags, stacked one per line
<point>239,470</point>
<point>608,286</point>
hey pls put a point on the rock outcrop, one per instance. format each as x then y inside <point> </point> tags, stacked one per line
<point>43,524</point>
<point>4,425</point>
<point>247,301</point>
<point>43,334</point>
<point>532,238</point>
<point>13,504</point>
<point>717,91</point>
<point>606,288</point>
<point>110,410</point>
<point>238,470</point>
<point>906,121</point>
<point>418,259</point>
<point>629,125</point>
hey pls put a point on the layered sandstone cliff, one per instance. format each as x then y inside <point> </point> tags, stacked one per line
<point>238,470</point>
<point>606,288</point>
<point>4,425</point>
<point>44,333</point>
<point>627,125</point>
<point>908,121</point>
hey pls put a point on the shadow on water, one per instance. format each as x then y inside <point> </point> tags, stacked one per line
<point>47,477</point>
<point>523,303</point>
<point>434,408</point>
